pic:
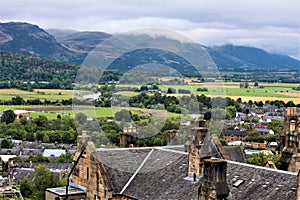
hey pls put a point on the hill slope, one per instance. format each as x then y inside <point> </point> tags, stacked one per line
<point>83,41</point>
<point>226,57</point>
<point>72,46</point>
<point>28,39</point>
<point>241,58</point>
<point>17,69</point>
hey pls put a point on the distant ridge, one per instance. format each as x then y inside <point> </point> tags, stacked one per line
<point>28,39</point>
<point>72,46</point>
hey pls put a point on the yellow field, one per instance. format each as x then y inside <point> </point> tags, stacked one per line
<point>263,99</point>
<point>49,94</point>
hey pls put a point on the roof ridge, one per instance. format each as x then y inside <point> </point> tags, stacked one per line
<point>171,150</point>
<point>263,168</point>
<point>136,171</point>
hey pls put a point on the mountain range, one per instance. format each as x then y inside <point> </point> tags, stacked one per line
<point>73,46</point>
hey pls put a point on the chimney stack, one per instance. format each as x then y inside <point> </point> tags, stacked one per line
<point>82,139</point>
<point>173,137</point>
<point>129,137</point>
<point>198,133</point>
<point>214,183</point>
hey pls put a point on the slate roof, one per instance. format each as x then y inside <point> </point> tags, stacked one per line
<point>54,152</point>
<point>235,153</point>
<point>159,173</point>
<point>12,151</point>
<point>20,174</point>
<point>121,164</point>
<point>227,132</point>
<point>48,165</point>
<point>263,130</point>
<point>260,183</point>
<point>163,177</point>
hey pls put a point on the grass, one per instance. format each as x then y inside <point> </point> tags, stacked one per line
<point>49,115</point>
<point>271,91</point>
<point>232,89</point>
<point>95,112</point>
<point>49,94</point>
<point>259,92</point>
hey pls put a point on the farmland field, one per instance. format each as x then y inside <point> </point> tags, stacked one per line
<point>51,112</point>
<point>269,91</point>
<point>49,94</point>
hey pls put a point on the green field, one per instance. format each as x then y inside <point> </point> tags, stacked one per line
<point>95,112</point>
<point>230,89</point>
<point>42,94</point>
<point>275,91</point>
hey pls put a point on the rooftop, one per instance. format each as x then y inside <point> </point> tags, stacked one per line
<point>61,191</point>
<point>160,173</point>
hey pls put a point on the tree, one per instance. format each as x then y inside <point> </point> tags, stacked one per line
<point>5,143</point>
<point>254,136</point>
<point>17,100</point>
<point>43,178</point>
<point>8,116</point>
<point>123,115</point>
<point>261,158</point>
<point>55,83</point>
<point>80,118</point>
<point>144,88</point>
<point>65,158</point>
<point>41,121</point>
<point>207,115</point>
<point>290,104</point>
<point>171,91</point>
<point>256,84</point>
<point>246,85</point>
<point>172,123</point>
<point>231,110</point>
<point>26,188</point>
<point>277,126</point>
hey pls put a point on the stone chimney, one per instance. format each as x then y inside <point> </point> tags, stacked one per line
<point>173,137</point>
<point>198,134</point>
<point>129,137</point>
<point>82,140</point>
<point>214,183</point>
<point>291,116</point>
<point>290,139</point>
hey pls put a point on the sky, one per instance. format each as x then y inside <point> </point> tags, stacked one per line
<point>273,25</point>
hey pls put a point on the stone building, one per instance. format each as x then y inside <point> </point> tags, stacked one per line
<point>167,173</point>
<point>290,142</point>
<point>129,137</point>
<point>234,135</point>
<point>172,137</point>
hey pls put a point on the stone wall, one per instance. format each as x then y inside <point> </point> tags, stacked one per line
<point>90,174</point>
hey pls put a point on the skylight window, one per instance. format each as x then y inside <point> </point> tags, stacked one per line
<point>238,183</point>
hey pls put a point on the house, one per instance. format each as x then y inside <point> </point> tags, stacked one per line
<point>22,113</point>
<point>234,135</point>
<point>164,173</point>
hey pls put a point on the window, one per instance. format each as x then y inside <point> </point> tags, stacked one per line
<point>87,173</point>
<point>97,197</point>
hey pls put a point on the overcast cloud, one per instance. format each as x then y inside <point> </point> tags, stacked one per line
<point>269,24</point>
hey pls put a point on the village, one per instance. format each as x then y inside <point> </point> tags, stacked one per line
<point>241,143</point>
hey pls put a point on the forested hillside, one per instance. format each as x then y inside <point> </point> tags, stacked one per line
<point>23,71</point>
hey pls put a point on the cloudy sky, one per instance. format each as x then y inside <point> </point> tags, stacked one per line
<point>273,25</point>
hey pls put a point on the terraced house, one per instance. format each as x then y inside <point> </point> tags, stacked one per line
<point>205,171</point>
